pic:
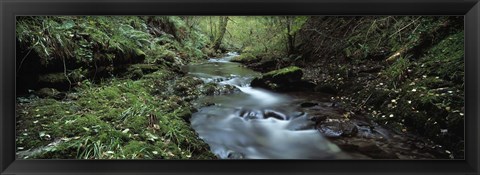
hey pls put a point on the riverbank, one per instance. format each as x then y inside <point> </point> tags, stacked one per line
<point>404,73</point>
<point>116,119</point>
<point>89,91</point>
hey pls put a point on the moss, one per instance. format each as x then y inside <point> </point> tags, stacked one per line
<point>138,123</point>
<point>81,126</point>
<point>446,59</point>
<point>136,74</point>
<point>136,150</point>
<point>245,58</point>
<point>111,118</point>
<point>53,78</point>
<point>293,70</point>
<point>145,68</point>
<point>139,54</point>
<point>398,70</point>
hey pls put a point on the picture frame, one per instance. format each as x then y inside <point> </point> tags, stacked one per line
<point>9,9</point>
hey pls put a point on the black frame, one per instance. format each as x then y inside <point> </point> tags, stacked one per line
<point>10,8</point>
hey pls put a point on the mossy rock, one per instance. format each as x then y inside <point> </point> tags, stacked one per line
<point>245,58</point>
<point>50,93</point>
<point>184,113</point>
<point>137,71</point>
<point>54,80</point>
<point>135,74</point>
<point>145,68</point>
<point>292,73</point>
<point>286,79</point>
<point>133,56</point>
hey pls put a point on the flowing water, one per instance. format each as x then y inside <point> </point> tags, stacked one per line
<point>254,123</point>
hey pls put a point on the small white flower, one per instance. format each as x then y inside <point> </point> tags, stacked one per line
<point>391,115</point>
<point>414,90</point>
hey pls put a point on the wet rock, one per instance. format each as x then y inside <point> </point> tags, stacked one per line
<point>308,104</point>
<point>235,155</point>
<point>274,114</point>
<point>366,147</point>
<point>373,150</point>
<point>286,79</point>
<point>337,128</point>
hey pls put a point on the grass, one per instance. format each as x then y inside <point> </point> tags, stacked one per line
<point>118,119</point>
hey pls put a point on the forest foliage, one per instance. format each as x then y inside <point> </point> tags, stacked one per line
<point>124,94</point>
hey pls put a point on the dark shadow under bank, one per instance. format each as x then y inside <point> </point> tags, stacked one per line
<point>469,166</point>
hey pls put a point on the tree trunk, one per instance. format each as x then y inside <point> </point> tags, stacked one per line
<point>290,36</point>
<point>222,28</point>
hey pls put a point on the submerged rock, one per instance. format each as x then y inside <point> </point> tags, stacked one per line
<point>286,79</point>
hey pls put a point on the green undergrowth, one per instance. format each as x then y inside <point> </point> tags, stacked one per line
<point>423,96</point>
<point>88,39</point>
<point>406,73</point>
<point>116,119</point>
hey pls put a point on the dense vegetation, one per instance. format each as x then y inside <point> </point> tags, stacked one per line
<point>113,87</point>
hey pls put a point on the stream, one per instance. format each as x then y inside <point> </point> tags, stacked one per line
<point>255,123</point>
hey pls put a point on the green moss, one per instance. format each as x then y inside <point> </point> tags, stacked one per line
<point>398,69</point>
<point>145,68</point>
<point>246,58</point>
<point>446,59</point>
<point>138,123</point>
<point>136,150</point>
<point>115,118</point>
<point>81,126</point>
<point>284,71</point>
<point>53,78</point>
<point>139,54</point>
